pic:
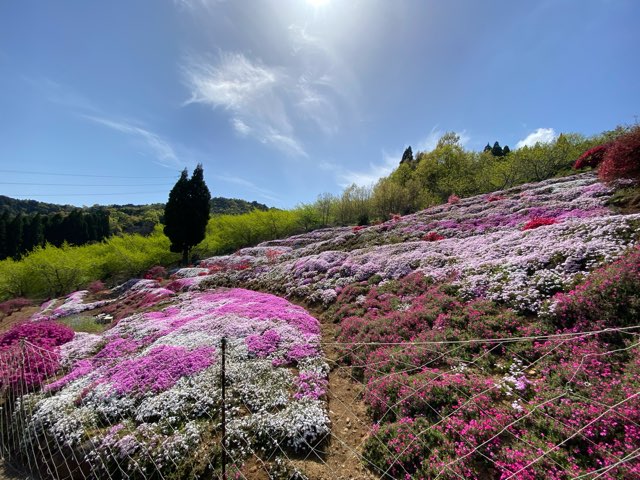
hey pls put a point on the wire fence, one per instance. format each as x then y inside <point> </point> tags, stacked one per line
<point>357,442</point>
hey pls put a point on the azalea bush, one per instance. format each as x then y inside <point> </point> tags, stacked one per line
<point>28,354</point>
<point>622,158</point>
<point>592,157</point>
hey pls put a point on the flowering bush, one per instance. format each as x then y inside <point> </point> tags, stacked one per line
<point>538,222</point>
<point>432,237</point>
<point>41,334</point>
<point>622,158</point>
<point>96,286</point>
<point>14,305</point>
<point>156,272</point>
<point>592,157</point>
<point>25,365</point>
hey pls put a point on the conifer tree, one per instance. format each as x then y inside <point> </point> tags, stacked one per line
<point>187,212</point>
<point>496,151</point>
<point>4,220</point>
<point>407,156</point>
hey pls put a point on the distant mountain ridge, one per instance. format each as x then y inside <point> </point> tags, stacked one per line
<point>219,206</point>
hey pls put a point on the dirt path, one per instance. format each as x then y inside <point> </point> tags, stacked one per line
<point>341,458</point>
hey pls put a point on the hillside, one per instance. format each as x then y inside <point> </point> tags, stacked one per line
<point>219,206</point>
<point>490,337</point>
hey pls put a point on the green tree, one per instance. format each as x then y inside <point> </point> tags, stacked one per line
<point>497,151</point>
<point>407,156</point>
<point>187,212</point>
<point>4,221</point>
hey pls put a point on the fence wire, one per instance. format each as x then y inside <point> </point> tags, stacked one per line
<point>34,448</point>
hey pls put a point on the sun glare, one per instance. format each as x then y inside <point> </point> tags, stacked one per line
<point>318,3</point>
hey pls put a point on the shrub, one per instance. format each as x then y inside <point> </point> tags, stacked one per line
<point>42,334</point>
<point>14,305</point>
<point>622,158</point>
<point>538,222</point>
<point>96,286</point>
<point>592,157</point>
<point>495,198</point>
<point>158,271</point>
<point>453,199</point>
<point>610,297</point>
<point>432,237</point>
<point>26,367</point>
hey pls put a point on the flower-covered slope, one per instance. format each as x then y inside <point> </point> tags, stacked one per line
<point>146,393</point>
<point>518,246</point>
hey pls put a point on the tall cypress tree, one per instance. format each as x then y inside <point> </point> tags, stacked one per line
<point>187,212</point>
<point>496,151</point>
<point>407,156</point>
<point>199,208</point>
<point>14,236</point>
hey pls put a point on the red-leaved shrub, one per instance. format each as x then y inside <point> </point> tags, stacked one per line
<point>495,198</point>
<point>622,158</point>
<point>432,237</point>
<point>538,222</point>
<point>592,157</point>
<point>96,286</point>
<point>155,272</point>
<point>453,199</point>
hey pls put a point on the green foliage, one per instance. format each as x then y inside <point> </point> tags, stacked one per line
<point>23,233</point>
<point>83,323</point>
<point>234,206</point>
<point>52,271</point>
<point>228,233</point>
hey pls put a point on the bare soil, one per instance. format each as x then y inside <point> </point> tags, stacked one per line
<point>22,315</point>
<point>341,456</point>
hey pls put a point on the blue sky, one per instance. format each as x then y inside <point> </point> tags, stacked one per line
<point>281,100</point>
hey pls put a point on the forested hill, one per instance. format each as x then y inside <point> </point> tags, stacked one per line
<point>219,206</point>
<point>15,206</point>
<point>234,206</point>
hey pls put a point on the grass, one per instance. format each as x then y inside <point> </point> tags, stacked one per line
<point>83,323</point>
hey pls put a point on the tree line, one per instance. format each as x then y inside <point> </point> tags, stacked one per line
<point>428,178</point>
<point>22,233</point>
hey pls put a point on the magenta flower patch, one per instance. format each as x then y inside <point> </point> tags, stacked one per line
<point>159,370</point>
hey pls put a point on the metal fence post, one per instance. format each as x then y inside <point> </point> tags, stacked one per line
<point>223,346</point>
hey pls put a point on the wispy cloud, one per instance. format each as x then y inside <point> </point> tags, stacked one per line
<point>254,94</point>
<point>370,175</point>
<point>161,149</point>
<point>541,135</point>
<point>61,95</point>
